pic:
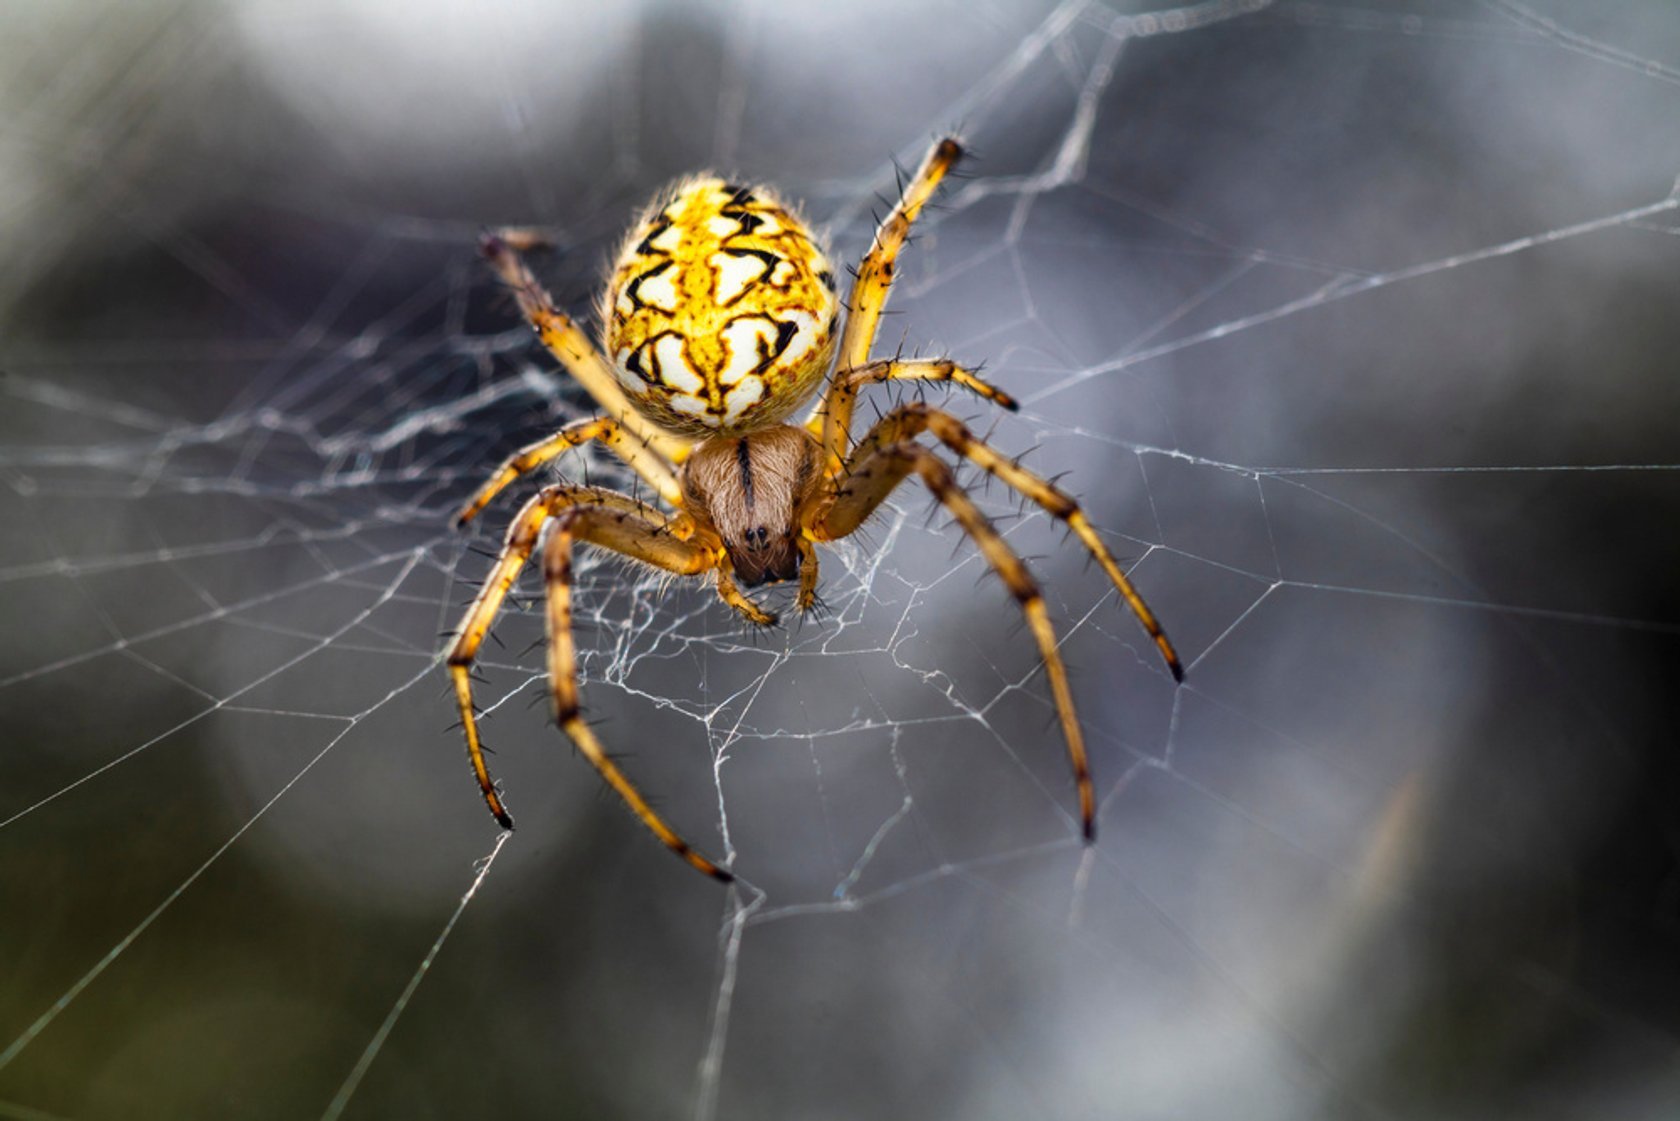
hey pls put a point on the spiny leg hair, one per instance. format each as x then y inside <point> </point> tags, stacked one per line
<point>612,521</point>
<point>876,471</point>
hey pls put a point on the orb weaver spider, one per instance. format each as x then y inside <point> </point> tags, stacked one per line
<point>721,318</point>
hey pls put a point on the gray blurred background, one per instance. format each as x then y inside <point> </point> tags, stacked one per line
<point>1353,325</point>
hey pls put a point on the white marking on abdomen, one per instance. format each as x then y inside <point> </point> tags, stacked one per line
<point>739,399</point>
<point>621,367</point>
<point>735,274</point>
<point>782,275</point>
<point>659,290</point>
<point>743,337</point>
<point>692,406</point>
<point>805,339</point>
<point>669,239</point>
<point>672,368</point>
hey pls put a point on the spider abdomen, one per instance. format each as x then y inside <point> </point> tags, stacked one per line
<point>721,314</point>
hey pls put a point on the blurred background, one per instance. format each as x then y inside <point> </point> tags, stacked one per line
<point>1352,324</point>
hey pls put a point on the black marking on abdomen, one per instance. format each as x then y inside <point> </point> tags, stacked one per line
<point>769,259</point>
<point>660,225</point>
<point>631,290</point>
<point>748,220</point>
<point>633,363</point>
<point>769,353</point>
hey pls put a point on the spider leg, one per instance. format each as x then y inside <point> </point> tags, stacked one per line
<point>475,624</point>
<point>833,421</point>
<point>731,593</point>
<point>875,271</point>
<point>641,459</point>
<point>613,521</point>
<point>569,345</point>
<point>908,421</point>
<point>807,598</point>
<point>876,472</point>
<point>610,529</point>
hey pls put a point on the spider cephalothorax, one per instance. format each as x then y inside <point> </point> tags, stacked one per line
<point>721,320</point>
<point>750,491</point>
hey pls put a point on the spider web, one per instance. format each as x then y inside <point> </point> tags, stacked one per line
<point>1351,325</point>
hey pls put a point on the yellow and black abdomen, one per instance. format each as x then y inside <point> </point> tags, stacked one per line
<point>721,316</point>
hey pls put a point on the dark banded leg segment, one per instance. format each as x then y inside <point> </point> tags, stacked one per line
<point>874,474</point>
<point>909,421</point>
<point>875,272</point>
<point>637,455</point>
<point>612,521</point>
<point>609,530</point>
<point>475,625</point>
<point>503,249</point>
<point>833,421</point>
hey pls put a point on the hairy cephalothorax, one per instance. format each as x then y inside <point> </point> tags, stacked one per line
<point>750,492</point>
<point>719,322</point>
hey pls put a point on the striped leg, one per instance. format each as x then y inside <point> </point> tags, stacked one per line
<point>641,459</point>
<point>600,517</point>
<point>876,471</point>
<point>909,421</point>
<point>611,530</point>
<point>832,422</point>
<point>875,271</point>
<point>569,345</point>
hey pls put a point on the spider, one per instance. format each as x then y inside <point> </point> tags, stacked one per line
<point>721,318</point>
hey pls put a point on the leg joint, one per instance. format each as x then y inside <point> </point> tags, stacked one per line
<point>1058,503</point>
<point>557,563</point>
<point>952,432</point>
